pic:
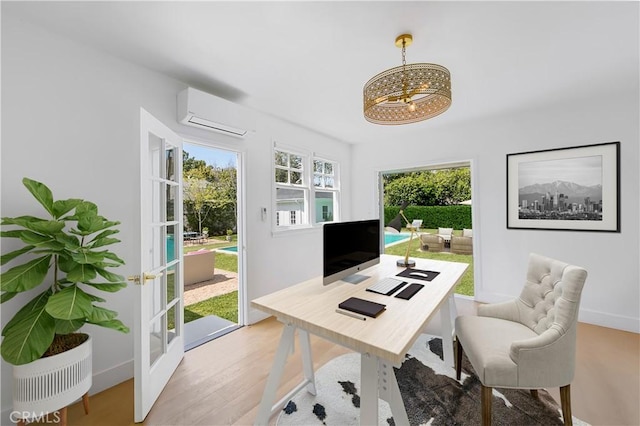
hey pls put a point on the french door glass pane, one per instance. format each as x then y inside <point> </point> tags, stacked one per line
<point>157,304</point>
<point>170,171</point>
<point>172,318</point>
<point>155,339</point>
<point>172,247</point>
<point>157,257</point>
<point>172,195</point>
<point>172,281</point>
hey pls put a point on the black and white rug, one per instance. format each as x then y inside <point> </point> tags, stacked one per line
<point>430,391</point>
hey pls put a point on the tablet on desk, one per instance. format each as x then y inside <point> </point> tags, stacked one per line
<point>361,306</point>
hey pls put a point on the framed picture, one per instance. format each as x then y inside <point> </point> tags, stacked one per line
<point>569,189</point>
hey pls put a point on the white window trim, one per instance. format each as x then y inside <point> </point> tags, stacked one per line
<point>336,190</point>
<point>306,183</point>
<point>308,186</point>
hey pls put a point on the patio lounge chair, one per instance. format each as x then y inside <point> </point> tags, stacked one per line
<point>463,244</point>
<point>199,266</point>
<point>431,242</point>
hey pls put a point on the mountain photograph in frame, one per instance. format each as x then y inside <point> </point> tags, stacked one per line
<point>570,189</point>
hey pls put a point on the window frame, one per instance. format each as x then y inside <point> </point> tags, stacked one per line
<point>307,219</point>
<point>334,190</point>
<point>303,186</point>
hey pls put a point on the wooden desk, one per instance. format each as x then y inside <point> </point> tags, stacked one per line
<point>309,307</point>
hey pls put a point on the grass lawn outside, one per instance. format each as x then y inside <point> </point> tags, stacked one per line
<point>226,305</point>
<point>465,287</point>
<point>210,246</point>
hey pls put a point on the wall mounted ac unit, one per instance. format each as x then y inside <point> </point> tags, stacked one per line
<point>203,110</point>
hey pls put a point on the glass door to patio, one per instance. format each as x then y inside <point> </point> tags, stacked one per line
<point>212,250</point>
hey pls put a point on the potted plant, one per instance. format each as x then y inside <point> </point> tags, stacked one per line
<point>229,234</point>
<point>65,258</point>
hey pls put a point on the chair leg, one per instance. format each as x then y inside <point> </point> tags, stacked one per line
<point>565,402</point>
<point>534,393</point>
<point>485,400</point>
<point>458,358</point>
<point>85,402</point>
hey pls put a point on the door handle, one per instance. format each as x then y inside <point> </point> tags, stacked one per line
<point>146,277</point>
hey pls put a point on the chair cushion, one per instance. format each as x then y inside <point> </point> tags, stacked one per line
<point>445,231</point>
<point>487,342</point>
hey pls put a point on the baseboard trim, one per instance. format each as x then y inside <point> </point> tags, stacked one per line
<point>603,319</point>
<point>257,316</point>
<point>589,316</point>
<point>112,376</point>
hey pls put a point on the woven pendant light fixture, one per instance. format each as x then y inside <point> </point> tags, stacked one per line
<point>408,93</point>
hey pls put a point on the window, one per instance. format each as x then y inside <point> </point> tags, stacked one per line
<point>325,183</point>
<point>292,190</point>
<point>298,203</point>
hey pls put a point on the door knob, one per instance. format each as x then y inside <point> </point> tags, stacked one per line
<point>146,277</point>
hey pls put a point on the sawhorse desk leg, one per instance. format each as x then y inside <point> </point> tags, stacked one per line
<point>378,380</point>
<point>285,348</point>
<point>448,314</point>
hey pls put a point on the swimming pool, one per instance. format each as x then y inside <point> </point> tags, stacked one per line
<point>233,249</point>
<point>394,238</point>
<point>388,239</point>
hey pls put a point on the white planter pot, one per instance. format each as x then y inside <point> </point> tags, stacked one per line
<point>52,383</point>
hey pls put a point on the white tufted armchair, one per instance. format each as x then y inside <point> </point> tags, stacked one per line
<point>529,342</point>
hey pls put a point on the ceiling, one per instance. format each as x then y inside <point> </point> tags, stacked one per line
<point>307,62</point>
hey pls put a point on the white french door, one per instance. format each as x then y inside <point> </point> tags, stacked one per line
<point>159,340</point>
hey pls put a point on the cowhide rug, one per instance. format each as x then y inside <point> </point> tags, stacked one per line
<point>431,395</point>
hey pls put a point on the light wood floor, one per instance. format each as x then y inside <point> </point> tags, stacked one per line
<point>221,382</point>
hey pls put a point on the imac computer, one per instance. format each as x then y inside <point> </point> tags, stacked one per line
<point>349,247</point>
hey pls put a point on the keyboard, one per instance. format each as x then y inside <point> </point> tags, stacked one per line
<point>386,286</point>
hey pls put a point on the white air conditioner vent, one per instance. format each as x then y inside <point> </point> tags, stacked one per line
<point>200,109</point>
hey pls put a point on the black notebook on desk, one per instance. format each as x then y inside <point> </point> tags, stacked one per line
<point>361,306</point>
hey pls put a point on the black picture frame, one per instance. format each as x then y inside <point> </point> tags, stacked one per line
<point>565,189</point>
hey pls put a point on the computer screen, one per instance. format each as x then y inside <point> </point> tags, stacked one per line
<point>349,247</point>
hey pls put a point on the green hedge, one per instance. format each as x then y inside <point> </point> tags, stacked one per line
<point>455,216</point>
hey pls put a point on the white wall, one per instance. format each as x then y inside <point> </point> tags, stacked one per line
<point>70,118</point>
<point>611,294</point>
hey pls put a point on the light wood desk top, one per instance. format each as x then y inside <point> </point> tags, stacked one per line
<point>311,306</point>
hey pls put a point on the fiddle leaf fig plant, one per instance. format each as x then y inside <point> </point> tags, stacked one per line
<point>65,255</point>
